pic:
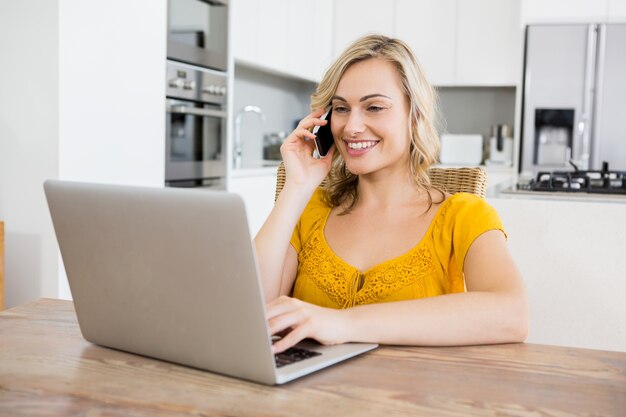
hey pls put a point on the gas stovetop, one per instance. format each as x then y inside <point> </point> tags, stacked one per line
<point>600,182</point>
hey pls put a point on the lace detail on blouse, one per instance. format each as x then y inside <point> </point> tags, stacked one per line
<point>433,267</point>
<point>346,286</point>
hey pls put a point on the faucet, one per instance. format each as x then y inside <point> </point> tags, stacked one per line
<point>238,144</point>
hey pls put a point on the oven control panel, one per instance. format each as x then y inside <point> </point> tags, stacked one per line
<point>192,83</point>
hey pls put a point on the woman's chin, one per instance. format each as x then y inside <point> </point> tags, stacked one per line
<point>359,168</point>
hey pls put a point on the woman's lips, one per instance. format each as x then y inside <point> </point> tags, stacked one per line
<point>359,147</point>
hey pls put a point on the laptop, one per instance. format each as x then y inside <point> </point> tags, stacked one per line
<point>171,274</point>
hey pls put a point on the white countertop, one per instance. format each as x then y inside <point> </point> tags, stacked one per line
<point>258,169</point>
<point>512,193</point>
<point>270,167</point>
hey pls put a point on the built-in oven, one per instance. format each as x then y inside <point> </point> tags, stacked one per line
<point>197,32</point>
<point>196,123</point>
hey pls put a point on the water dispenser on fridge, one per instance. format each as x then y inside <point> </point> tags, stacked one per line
<point>553,137</point>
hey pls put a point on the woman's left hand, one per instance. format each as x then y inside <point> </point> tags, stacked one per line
<point>301,320</point>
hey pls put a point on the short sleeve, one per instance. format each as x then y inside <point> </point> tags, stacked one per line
<point>314,211</point>
<point>466,217</point>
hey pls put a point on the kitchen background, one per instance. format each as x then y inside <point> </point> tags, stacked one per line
<point>84,94</point>
<point>475,60</point>
<point>285,101</point>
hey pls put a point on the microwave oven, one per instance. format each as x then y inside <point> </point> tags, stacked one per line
<point>197,32</point>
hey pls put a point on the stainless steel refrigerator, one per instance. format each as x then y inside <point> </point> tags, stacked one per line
<point>574,97</point>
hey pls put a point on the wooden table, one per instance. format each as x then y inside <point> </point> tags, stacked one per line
<point>47,368</point>
<point>1,265</point>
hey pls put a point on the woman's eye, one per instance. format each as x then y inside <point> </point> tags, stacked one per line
<point>340,109</point>
<point>375,108</point>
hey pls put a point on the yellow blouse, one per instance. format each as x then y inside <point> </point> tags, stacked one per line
<point>433,267</point>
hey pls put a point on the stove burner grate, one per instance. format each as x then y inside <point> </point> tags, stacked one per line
<point>598,181</point>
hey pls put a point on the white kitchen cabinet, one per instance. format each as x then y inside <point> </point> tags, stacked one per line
<point>354,18</point>
<point>288,37</point>
<point>309,35</point>
<point>419,23</point>
<point>272,34</point>
<point>298,39</point>
<point>565,11</point>
<point>568,11</point>
<point>489,42</point>
<point>319,56</point>
<point>244,30</point>
<point>616,11</point>
<point>572,267</point>
<point>257,191</point>
<point>468,42</point>
<point>463,42</point>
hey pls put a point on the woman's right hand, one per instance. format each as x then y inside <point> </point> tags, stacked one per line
<point>301,167</point>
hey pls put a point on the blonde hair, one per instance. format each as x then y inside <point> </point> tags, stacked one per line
<point>341,186</point>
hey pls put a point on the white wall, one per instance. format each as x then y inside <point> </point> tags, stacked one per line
<point>28,145</point>
<point>111,94</point>
<point>112,91</point>
<point>82,99</point>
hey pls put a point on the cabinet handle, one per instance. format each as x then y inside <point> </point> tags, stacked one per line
<point>196,111</point>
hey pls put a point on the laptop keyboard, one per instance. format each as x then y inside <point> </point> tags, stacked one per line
<point>293,355</point>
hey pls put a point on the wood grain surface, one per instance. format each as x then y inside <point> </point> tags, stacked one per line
<point>1,266</point>
<point>48,369</point>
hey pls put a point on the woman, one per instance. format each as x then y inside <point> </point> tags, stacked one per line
<point>379,255</point>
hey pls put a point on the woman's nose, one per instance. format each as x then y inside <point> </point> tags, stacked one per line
<point>354,124</point>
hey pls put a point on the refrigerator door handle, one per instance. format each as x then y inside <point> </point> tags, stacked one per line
<point>583,159</point>
<point>581,125</point>
<point>599,88</point>
<point>583,145</point>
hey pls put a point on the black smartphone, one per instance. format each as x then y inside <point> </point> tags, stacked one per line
<point>323,136</point>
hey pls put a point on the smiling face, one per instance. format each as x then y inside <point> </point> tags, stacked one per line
<point>370,118</point>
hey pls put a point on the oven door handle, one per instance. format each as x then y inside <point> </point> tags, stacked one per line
<point>196,112</point>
